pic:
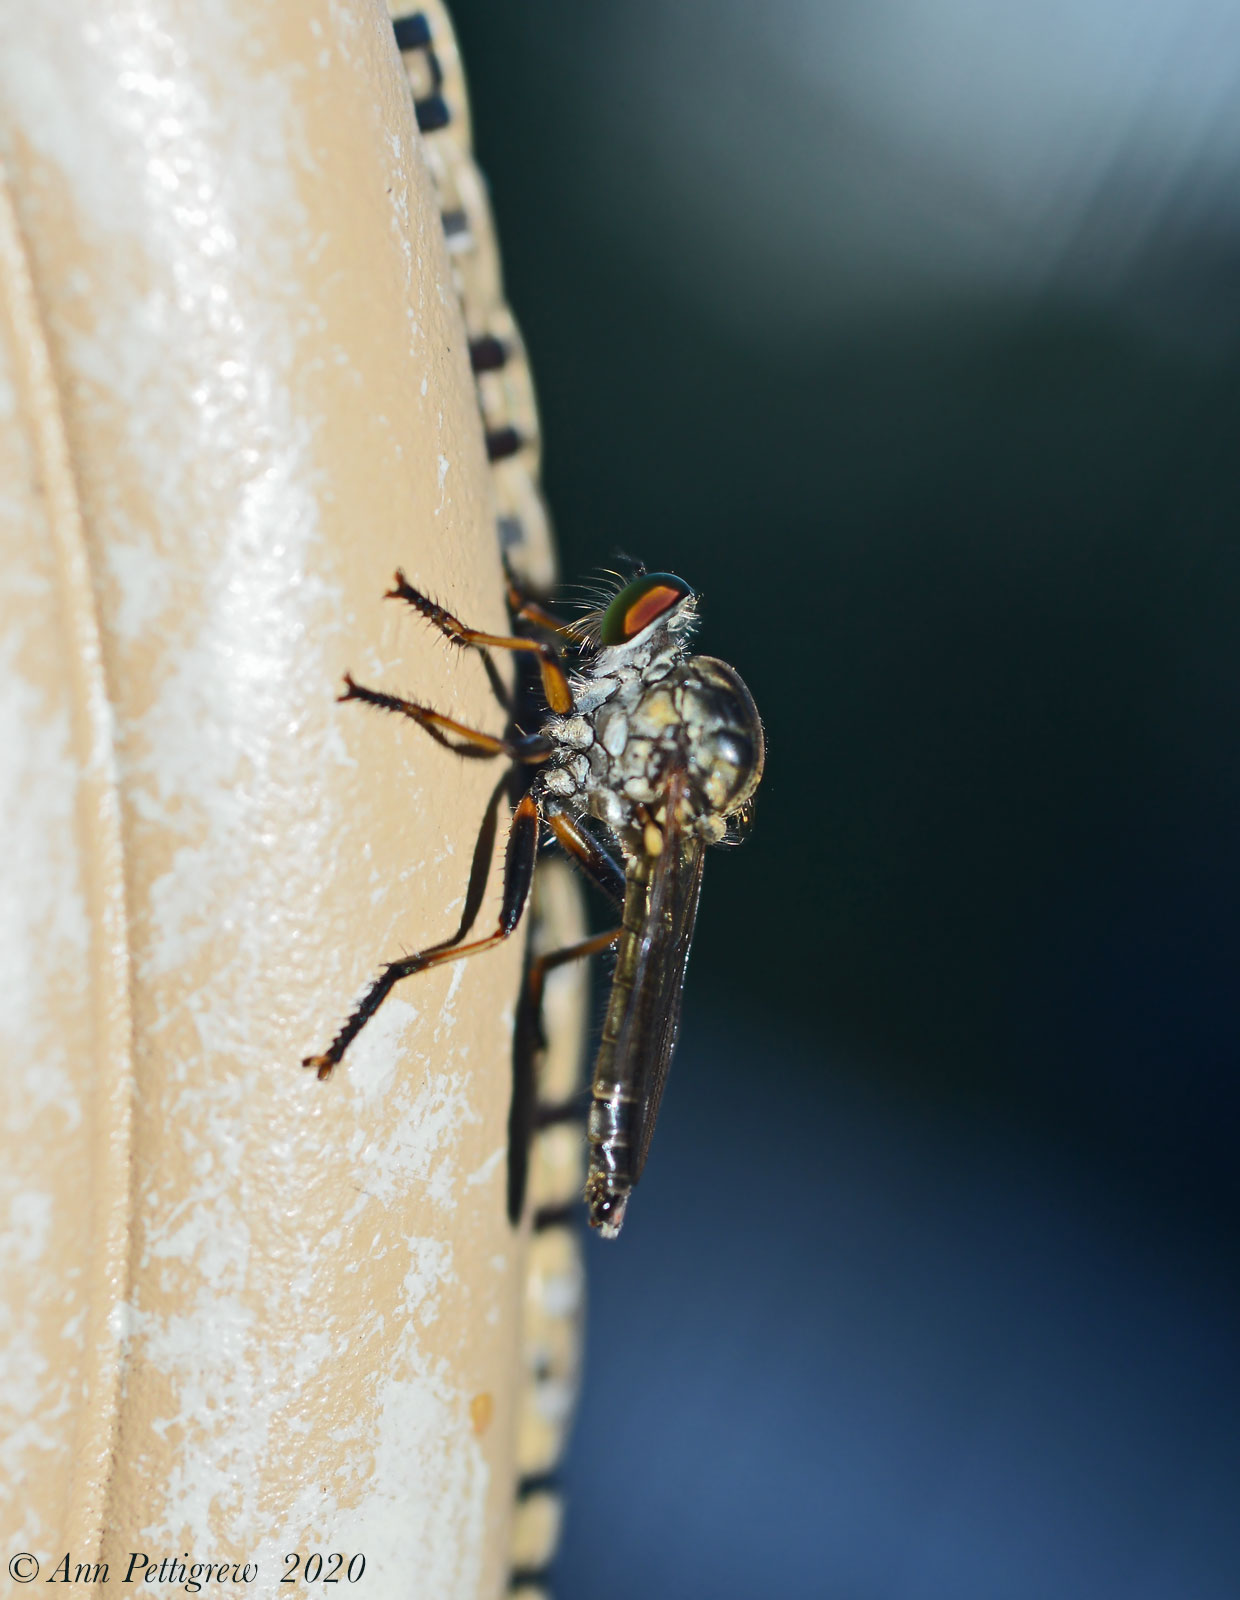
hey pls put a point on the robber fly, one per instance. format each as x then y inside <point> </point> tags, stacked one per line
<point>662,748</point>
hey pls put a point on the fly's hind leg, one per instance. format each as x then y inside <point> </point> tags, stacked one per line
<point>519,861</point>
<point>590,858</point>
<point>527,1114</point>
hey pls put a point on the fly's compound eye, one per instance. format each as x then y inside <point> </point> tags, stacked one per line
<point>644,601</point>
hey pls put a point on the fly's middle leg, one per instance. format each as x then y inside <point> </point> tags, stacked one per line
<point>448,731</point>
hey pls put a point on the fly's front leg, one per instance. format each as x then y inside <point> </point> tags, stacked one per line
<point>519,859</point>
<point>554,681</point>
<point>526,610</point>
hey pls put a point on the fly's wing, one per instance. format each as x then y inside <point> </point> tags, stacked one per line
<point>647,1034</point>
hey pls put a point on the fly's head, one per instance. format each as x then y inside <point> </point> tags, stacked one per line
<point>648,710</point>
<point>650,619</point>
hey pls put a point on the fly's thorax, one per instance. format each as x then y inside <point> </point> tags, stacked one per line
<point>725,742</point>
<point>614,756</point>
<point>652,656</point>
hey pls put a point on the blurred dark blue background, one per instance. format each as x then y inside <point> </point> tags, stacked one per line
<point>863,1348</point>
<point>911,336</point>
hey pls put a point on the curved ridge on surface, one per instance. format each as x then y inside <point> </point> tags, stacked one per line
<point>102,848</point>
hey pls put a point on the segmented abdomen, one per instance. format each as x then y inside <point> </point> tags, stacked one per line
<point>610,1127</point>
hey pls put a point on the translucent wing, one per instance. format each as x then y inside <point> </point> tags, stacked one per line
<point>647,1033</point>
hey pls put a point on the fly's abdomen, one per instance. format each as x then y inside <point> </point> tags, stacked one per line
<point>611,1127</point>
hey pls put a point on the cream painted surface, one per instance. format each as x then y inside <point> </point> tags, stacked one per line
<point>49,1109</point>
<point>259,391</point>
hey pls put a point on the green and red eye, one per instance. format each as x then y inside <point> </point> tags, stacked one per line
<point>642,602</point>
